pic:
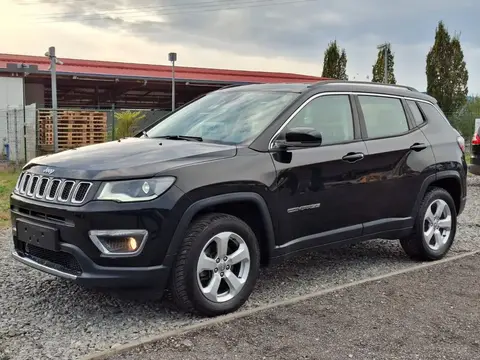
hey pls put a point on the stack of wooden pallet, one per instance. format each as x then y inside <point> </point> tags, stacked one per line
<point>75,128</point>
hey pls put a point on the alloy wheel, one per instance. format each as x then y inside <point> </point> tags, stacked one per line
<point>437,225</point>
<point>223,267</point>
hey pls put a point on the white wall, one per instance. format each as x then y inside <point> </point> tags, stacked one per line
<point>12,120</point>
<point>11,92</point>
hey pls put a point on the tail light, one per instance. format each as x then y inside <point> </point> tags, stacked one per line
<point>476,139</point>
<point>461,143</point>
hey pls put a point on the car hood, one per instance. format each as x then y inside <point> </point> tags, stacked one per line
<point>128,158</point>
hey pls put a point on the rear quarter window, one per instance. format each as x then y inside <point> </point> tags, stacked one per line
<point>417,114</point>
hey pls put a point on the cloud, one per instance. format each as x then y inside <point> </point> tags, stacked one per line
<point>288,35</point>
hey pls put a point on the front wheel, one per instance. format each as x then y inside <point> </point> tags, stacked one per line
<point>435,227</point>
<point>217,266</point>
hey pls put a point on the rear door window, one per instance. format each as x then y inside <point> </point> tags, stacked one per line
<point>384,116</point>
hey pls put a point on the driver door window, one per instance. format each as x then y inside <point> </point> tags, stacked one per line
<point>331,115</point>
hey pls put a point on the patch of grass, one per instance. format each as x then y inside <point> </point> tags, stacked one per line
<point>467,157</point>
<point>8,180</point>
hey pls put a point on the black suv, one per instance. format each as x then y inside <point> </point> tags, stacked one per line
<point>240,177</point>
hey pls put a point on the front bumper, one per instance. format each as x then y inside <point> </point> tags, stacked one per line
<point>92,275</point>
<point>78,259</point>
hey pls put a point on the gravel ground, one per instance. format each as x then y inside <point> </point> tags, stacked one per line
<point>388,319</point>
<point>44,317</point>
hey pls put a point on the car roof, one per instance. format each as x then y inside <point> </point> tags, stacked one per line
<point>336,86</point>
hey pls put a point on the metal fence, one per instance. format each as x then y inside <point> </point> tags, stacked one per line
<point>18,133</point>
<point>27,132</point>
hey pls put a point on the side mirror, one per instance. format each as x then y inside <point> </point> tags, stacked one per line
<point>301,137</point>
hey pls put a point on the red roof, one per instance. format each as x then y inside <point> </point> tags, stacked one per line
<point>119,69</point>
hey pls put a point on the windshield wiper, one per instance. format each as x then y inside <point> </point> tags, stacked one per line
<point>180,137</point>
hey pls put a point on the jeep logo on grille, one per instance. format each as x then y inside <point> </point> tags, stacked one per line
<point>49,171</point>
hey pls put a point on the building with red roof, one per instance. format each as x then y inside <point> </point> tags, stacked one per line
<point>106,84</point>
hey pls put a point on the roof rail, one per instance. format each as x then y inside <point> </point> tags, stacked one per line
<point>231,85</point>
<point>325,82</point>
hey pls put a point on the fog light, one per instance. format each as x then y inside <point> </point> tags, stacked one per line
<point>132,244</point>
<point>119,243</point>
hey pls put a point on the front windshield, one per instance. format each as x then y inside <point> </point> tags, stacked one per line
<point>230,117</point>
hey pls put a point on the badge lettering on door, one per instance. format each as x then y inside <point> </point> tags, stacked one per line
<point>304,207</point>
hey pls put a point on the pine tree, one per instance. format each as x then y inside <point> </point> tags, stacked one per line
<point>342,66</point>
<point>335,62</point>
<point>446,71</point>
<point>378,70</point>
<point>459,75</point>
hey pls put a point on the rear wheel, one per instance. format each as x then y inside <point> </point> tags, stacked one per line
<point>217,266</point>
<point>435,227</point>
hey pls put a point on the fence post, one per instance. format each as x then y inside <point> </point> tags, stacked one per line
<point>8,135</point>
<point>16,135</point>
<point>113,122</point>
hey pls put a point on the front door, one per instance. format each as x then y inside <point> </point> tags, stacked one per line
<point>319,189</point>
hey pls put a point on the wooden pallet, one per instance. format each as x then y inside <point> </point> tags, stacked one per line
<point>75,128</point>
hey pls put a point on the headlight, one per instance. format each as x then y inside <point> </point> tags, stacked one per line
<point>135,190</point>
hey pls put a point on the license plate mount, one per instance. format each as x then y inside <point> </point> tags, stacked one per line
<point>42,236</point>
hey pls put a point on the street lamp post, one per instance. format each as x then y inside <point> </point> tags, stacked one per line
<point>385,47</point>
<point>172,57</point>
<point>53,72</point>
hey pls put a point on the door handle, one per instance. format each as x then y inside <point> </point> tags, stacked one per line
<point>418,147</point>
<point>353,157</point>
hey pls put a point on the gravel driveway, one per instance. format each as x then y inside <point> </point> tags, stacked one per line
<point>388,319</point>
<point>46,318</point>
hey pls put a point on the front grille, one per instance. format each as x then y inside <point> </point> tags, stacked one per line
<point>58,260</point>
<point>52,189</point>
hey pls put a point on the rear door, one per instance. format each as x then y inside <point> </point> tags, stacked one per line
<point>399,158</point>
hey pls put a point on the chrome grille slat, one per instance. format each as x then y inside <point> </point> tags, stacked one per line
<point>66,190</point>
<point>25,182</point>
<point>52,189</point>
<point>44,182</point>
<point>32,187</point>
<point>19,181</point>
<point>54,185</point>
<point>80,198</point>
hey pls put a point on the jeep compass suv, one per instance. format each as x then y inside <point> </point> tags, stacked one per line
<point>242,177</point>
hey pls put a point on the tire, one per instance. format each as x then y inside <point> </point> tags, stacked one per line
<point>202,237</point>
<point>416,245</point>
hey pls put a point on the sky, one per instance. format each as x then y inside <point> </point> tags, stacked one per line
<point>269,35</point>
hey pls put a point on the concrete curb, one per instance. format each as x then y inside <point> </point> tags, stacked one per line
<point>103,355</point>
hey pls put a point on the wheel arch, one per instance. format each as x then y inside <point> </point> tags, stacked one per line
<point>222,202</point>
<point>448,180</point>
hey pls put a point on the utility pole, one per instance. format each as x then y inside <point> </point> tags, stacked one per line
<point>53,72</point>
<point>385,47</point>
<point>172,57</point>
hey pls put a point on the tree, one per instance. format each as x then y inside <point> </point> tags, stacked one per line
<point>378,69</point>
<point>464,119</point>
<point>446,70</point>
<point>125,123</point>
<point>335,62</point>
